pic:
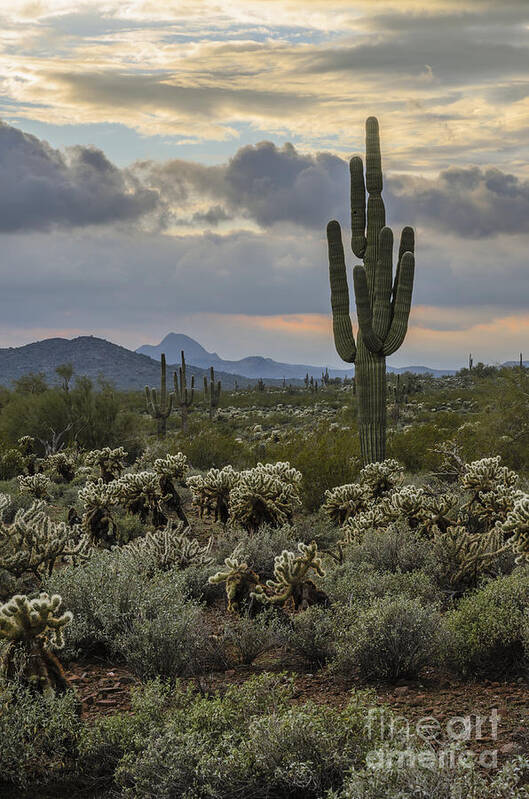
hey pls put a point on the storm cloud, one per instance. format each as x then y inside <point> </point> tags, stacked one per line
<point>44,188</point>
<point>273,185</point>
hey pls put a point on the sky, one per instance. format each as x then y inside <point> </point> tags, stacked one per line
<point>171,165</point>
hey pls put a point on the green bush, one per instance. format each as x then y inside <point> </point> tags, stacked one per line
<point>248,743</point>
<point>39,737</point>
<point>312,635</point>
<point>244,638</point>
<point>486,630</point>
<point>147,622</point>
<point>358,584</point>
<point>416,780</point>
<point>168,637</point>
<point>393,638</point>
<point>211,448</point>
<point>326,458</point>
<point>11,464</point>
<point>397,548</point>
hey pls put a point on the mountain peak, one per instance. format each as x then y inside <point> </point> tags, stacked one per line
<point>173,344</point>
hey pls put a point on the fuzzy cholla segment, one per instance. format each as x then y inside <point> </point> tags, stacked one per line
<point>487,475</point>
<point>173,466</point>
<point>345,501</point>
<point>110,461</point>
<point>35,484</point>
<point>33,542</point>
<point>240,582</point>
<point>382,477</point>
<point>516,526</point>
<point>211,492</point>
<point>166,549</point>
<point>262,495</point>
<point>23,619</point>
<point>290,572</point>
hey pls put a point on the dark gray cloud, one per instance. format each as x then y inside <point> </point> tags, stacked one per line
<point>472,202</point>
<point>43,188</point>
<point>274,185</point>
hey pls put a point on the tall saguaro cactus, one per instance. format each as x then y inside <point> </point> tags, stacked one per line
<point>184,398</point>
<point>160,407</point>
<point>382,301</point>
<point>212,392</point>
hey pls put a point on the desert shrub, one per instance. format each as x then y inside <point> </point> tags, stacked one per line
<point>392,638</point>
<point>168,637</point>
<point>358,584</point>
<point>213,448</point>
<point>396,548</point>
<point>194,583</point>
<point>413,447</point>
<point>312,635</point>
<point>486,630</point>
<point>12,464</point>
<point>326,458</point>
<point>245,637</point>
<point>120,613</point>
<point>39,737</point>
<point>418,780</point>
<point>248,743</point>
<point>102,595</point>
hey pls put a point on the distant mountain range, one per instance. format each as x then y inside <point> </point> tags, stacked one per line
<point>255,366</point>
<point>93,357</point>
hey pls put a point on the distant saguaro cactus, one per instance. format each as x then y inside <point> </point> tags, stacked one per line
<point>184,398</point>
<point>160,408</point>
<point>212,392</point>
<point>382,303</point>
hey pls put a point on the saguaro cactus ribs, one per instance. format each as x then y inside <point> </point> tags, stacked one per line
<point>382,304</point>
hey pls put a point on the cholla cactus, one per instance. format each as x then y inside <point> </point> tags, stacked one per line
<point>495,505</point>
<point>110,461</point>
<point>166,549</point>
<point>211,492</point>
<point>172,470</point>
<point>438,513</point>
<point>173,466</point>
<point>26,446</point>
<point>465,556</point>
<point>355,528</point>
<point>141,494</point>
<point>290,572</point>
<point>32,628</point>
<point>486,475</point>
<point>61,466</point>
<point>516,529</point>
<point>260,497</point>
<point>284,471</point>
<point>33,542</point>
<point>410,503</point>
<point>344,502</point>
<point>382,477</point>
<point>241,582</point>
<point>98,500</point>
<point>35,484</point>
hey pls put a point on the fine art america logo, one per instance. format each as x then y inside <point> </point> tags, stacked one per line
<point>429,743</point>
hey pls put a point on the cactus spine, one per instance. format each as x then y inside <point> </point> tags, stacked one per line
<point>184,398</point>
<point>382,303</point>
<point>160,408</point>
<point>212,392</point>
